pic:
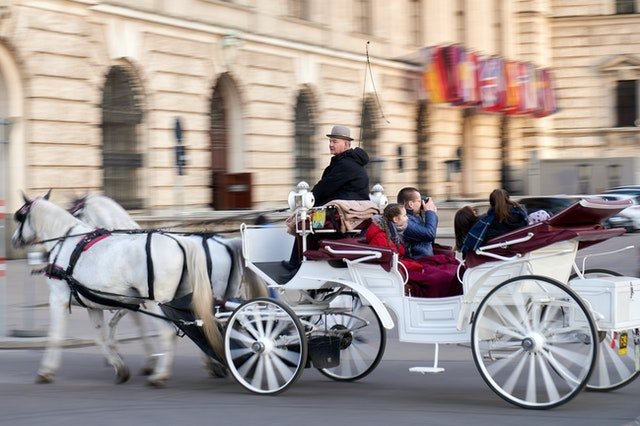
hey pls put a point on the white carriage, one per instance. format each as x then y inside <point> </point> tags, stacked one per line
<point>540,328</point>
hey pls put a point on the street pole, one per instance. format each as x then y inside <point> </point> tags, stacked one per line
<point>4,123</point>
<point>181,163</point>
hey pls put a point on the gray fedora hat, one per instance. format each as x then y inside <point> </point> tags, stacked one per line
<point>340,132</point>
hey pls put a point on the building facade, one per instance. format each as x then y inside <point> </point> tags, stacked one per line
<point>91,93</point>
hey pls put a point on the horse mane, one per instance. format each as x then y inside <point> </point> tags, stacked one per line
<point>101,211</point>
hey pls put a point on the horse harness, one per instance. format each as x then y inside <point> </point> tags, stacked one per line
<point>52,270</point>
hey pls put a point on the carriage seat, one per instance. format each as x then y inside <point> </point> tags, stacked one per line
<point>581,221</point>
<point>339,216</point>
<point>350,244</point>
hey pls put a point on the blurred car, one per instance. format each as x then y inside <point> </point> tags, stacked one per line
<point>553,204</point>
<point>632,212</point>
<point>627,189</point>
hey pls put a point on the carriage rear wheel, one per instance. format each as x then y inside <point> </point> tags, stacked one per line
<point>534,342</point>
<point>265,346</point>
<point>616,366</point>
<point>362,337</point>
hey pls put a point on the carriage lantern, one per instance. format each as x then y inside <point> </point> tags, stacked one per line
<point>301,197</point>
<point>377,196</point>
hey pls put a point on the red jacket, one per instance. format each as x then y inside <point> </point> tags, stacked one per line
<point>378,238</point>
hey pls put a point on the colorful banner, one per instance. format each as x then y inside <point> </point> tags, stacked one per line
<point>491,82</point>
<point>463,78</point>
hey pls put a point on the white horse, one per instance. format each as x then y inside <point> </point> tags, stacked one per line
<point>112,270</point>
<point>225,262</point>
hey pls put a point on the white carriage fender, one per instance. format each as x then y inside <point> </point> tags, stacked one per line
<point>376,303</point>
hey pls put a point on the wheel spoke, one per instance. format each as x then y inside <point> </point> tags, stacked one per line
<point>257,375</point>
<point>240,337</point>
<point>531,381</point>
<point>567,375</point>
<point>552,389</point>
<point>510,383</point>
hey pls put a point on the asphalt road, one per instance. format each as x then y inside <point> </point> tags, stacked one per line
<point>85,392</point>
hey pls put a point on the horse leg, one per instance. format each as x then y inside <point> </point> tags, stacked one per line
<point>58,316</point>
<point>108,348</point>
<point>168,339</point>
<point>149,363</point>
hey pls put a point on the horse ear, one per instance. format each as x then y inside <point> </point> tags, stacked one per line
<point>48,194</point>
<point>24,197</point>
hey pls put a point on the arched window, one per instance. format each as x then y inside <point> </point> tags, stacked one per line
<point>369,135</point>
<point>121,159</point>
<point>305,129</point>
<point>230,183</point>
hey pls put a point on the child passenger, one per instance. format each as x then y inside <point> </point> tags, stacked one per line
<point>430,276</point>
<point>385,231</point>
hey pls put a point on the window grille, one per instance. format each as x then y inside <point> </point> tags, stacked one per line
<point>626,103</point>
<point>121,159</point>
<point>305,131</point>
<point>625,7</point>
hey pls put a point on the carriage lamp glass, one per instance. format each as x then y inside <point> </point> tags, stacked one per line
<point>301,197</point>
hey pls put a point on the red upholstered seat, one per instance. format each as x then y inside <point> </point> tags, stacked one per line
<point>579,221</point>
<point>350,244</point>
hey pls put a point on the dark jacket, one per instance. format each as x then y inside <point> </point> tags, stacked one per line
<point>420,234</point>
<point>488,227</point>
<point>345,178</point>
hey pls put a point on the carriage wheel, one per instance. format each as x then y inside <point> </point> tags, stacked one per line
<point>265,346</point>
<point>362,338</point>
<point>615,367</point>
<point>534,342</point>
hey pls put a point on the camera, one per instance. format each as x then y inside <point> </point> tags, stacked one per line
<point>425,199</point>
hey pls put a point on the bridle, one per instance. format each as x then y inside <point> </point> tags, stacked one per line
<point>21,217</point>
<point>78,206</point>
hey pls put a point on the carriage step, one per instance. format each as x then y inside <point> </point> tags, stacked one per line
<point>425,370</point>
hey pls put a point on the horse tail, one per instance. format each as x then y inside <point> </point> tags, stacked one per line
<point>256,286</point>
<point>202,300</point>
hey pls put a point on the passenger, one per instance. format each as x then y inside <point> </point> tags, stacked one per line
<point>423,222</point>
<point>503,216</point>
<point>463,220</point>
<point>386,231</point>
<point>431,276</point>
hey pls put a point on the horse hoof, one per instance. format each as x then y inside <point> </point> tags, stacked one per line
<point>157,383</point>
<point>123,375</point>
<point>218,371</point>
<point>146,371</point>
<point>44,378</point>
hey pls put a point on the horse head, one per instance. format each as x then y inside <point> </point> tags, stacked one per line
<point>78,205</point>
<point>31,225</point>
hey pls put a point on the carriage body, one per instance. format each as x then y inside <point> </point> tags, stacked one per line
<point>523,277</point>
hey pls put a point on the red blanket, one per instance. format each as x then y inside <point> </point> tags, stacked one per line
<point>437,279</point>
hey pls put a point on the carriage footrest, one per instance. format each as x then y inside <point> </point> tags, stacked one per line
<point>425,370</point>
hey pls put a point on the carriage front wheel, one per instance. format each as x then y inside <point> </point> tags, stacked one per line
<point>534,342</point>
<point>362,337</point>
<point>265,346</point>
<point>616,366</point>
